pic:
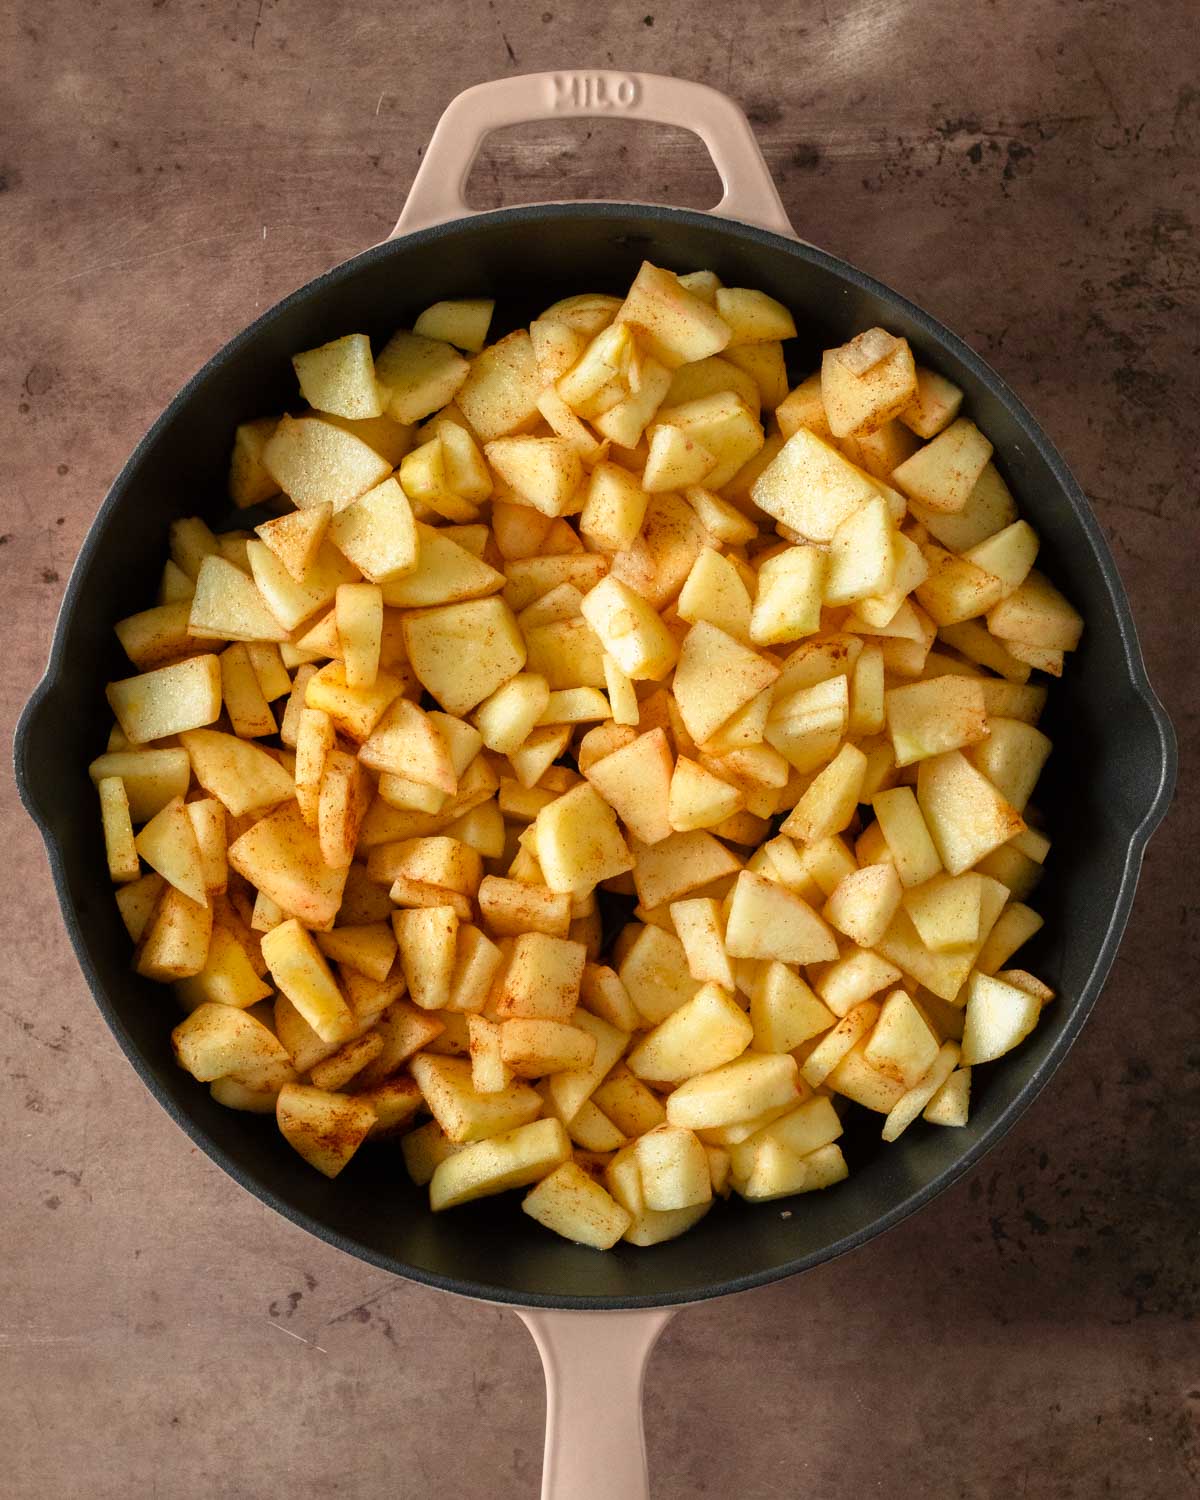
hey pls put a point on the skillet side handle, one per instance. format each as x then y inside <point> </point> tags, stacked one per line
<point>595,1365</point>
<point>438,190</point>
<point>31,765</point>
<point>1162,753</point>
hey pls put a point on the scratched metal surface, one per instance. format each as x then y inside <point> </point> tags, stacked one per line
<point>1029,171</point>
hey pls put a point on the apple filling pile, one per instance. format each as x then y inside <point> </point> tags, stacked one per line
<point>604,765</point>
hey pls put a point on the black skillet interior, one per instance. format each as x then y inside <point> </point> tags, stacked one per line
<point>1107,785</point>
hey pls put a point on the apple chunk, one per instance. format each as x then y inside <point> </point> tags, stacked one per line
<point>299,969</point>
<point>168,700</point>
<point>707,1031</point>
<point>715,677</point>
<point>784,1011</point>
<point>462,652</point>
<point>513,1159</point>
<point>999,1016</point>
<point>931,717</point>
<point>544,471</point>
<point>325,1128</point>
<point>464,1115</point>
<point>574,1205</point>
<point>630,630</point>
<point>942,474</point>
<point>769,921</point>
<point>967,817</point>
<point>216,1040</point>
<point>281,855</point>
<point>677,326</point>
<point>339,377</point>
<point>316,463</point>
<point>578,841</point>
<point>859,392</point>
<point>636,783</point>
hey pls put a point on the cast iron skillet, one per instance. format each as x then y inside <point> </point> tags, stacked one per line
<point>1107,786</point>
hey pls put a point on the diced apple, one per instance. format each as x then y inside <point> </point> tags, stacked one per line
<point>831,799</point>
<point>967,817</point>
<point>864,903</point>
<point>1011,757</point>
<point>150,777</point>
<point>119,846</point>
<point>302,974</point>
<point>654,971</point>
<point>676,460</point>
<point>811,488</point>
<point>945,911</point>
<point>911,1104</point>
<point>544,471</point>
<point>339,377</point>
<point>462,652</point>
<point>249,481</point>
<point>714,591</point>
<point>614,507</point>
<point>766,920</point>
<point>1037,615</point>
<point>835,1044</point>
<point>578,841</point>
<point>934,406</point>
<point>636,783</point>
<point>725,426</point>
<point>499,395</point>
<point>174,941</point>
<point>512,1159</point>
<point>684,862</point>
<point>855,976</point>
<point>168,844</point>
<point>461,321</point>
<point>707,1031</point>
<point>700,927</point>
<point>907,835</point>
<point>574,1205</point>
<point>698,799</point>
<point>673,1169</point>
<point>951,1104</point>
<point>717,676</point>
<point>419,374</point>
<point>167,701</point>
<point>901,1043</point>
<point>533,1048</point>
<point>1013,928</point>
<point>630,630</point>
<point>315,462</point>
<point>462,1113</point>
<point>676,326</point>
<point>942,474</point>
<point>216,1040</point>
<point>858,399</point>
<point>741,1090</point>
<point>784,1012</point>
<point>281,856</point>
<point>929,718</point>
<point>752,316</point>
<point>787,605</point>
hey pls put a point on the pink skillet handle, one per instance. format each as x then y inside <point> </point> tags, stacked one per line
<point>595,1363</point>
<point>437,193</point>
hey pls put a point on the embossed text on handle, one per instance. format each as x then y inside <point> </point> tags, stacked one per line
<point>598,91</point>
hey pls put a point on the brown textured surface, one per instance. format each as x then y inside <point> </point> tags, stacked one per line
<point>1030,172</point>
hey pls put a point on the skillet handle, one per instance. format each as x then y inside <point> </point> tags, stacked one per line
<point>33,768</point>
<point>1162,753</point>
<point>595,1364</point>
<point>437,193</point>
